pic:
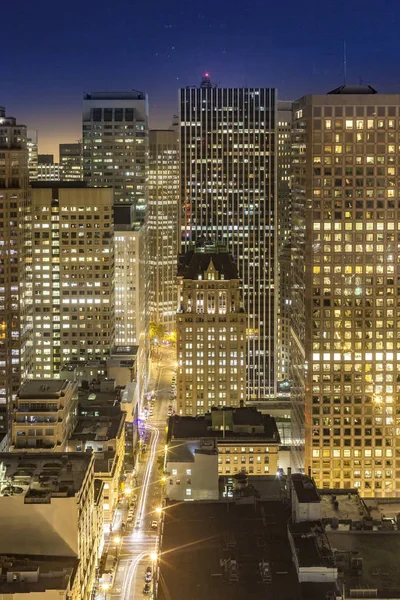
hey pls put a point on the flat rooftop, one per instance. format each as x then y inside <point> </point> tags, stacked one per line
<point>102,398</point>
<point>41,476</point>
<point>201,540</point>
<point>380,562</point>
<point>200,427</point>
<point>37,389</point>
<point>52,573</point>
<point>350,507</point>
<point>305,489</point>
<point>100,428</point>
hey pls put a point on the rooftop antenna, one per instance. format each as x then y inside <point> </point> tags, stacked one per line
<point>344,62</point>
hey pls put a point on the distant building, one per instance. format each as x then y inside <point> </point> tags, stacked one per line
<point>49,506</point>
<point>211,332</point>
<point>32,145</point>
<point>163,226</point>
<point>105,437</point>
<point>50,172</point>
<point>73,274</point>
<point>115,146</point>
<point>45,159</point>
<point>44,416</point>
<point>71,161</point>
<point>16,349</point>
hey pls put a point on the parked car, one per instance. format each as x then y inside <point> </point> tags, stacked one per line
<point>146,589</point>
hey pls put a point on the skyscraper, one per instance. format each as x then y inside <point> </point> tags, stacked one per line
<point>163,226</point>
<point>284,118</point>
<point>71,161</point>
<point>346,303</point>
<point>115,146</point>
<point>73,274</point>
<point>15,264</point>
<point>211,332</point>
<point>228,195</point>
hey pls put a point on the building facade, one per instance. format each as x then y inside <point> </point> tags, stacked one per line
<point>115,146</point>
<point>32,145</point>
<point>284,127</point>
<point>163,226</point>
<point>71,161</point>
<point>16,352</point>
<point>44,415</point>
<point>345,328</point>
<point>211,333</point>
<point>50,172</point>
<point>228,195</point>
<point>73,274</point>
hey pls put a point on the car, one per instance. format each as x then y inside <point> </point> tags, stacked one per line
<point>144,448</point>
<point>137,523</point>
<point>148,577</point>
<point>154,525</point>
<point>148,570</point>
<point>146,589</point>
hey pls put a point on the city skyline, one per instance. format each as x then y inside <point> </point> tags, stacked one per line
<point>174,51</point>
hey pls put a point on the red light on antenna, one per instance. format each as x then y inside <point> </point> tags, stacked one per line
<point>206,75</point>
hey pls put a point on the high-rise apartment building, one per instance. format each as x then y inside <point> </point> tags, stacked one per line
<point>73,274</point>
<point>15,264</point>
<point>163,226</point>
<point>32,145</point>
<point>71,161</point>
<point>211,332</point>
<point>115,146</point>
<point>284,127</point>
<point>346,302</point>
<point>228,195</point>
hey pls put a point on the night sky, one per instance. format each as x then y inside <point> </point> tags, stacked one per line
<point>52,52</point>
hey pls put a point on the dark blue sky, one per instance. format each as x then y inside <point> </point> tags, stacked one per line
<point>52,52</point>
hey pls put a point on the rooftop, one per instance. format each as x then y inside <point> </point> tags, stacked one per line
<point>42,476</point>
<point>195,263</point>
<point>60,184</point>
<point>132,95</point>
<point>185,451</point>
<point>202,541</point>
<point>101,428</point>
<point>199,427</point>
<point>305,489</point>
<point>43,389</point>
<point>380,562</point>
<point>45,573</point>
<point>354,89</point>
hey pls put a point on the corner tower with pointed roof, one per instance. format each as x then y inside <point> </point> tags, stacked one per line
<point>211,332</point>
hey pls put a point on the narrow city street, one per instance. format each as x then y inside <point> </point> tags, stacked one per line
<point>138,542</point>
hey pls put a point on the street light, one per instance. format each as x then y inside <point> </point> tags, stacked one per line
<point>117,539</point>
<point>158,510</point>
<point>105,587</point>
<point>153,556</point>
<point>127,491</point>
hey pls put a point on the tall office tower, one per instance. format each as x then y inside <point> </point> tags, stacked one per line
<point>228,195</point>
<point>71,161</point>
<point>163,228</point>
<point>15,265</point>
<point>32,144</point>
<point>115,146</point>
<point>346,303</point>
<point>73,274</point>
<point>284,166</point>
<point>211,332</point>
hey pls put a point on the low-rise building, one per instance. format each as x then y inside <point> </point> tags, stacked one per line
<point>193,471</point>
<point>246,440</point>
<point>44,415</point>
<point>105,437</point>
<point>50,506</point>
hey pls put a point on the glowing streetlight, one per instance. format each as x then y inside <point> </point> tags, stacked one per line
<point>127,491</point>
<point>105,587</point>
<point>153,556</point>
<point>158,510</point>
<point>117,539</point>
<point>163,479</point>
